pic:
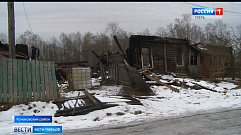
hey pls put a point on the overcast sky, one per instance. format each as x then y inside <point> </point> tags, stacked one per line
<point>49,19</point>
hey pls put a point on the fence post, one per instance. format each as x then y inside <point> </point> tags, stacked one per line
<point>1,80</point>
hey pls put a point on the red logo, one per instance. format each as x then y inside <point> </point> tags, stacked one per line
<point>219,11</point>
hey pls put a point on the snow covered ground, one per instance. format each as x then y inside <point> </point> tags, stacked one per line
<point>164,104</point>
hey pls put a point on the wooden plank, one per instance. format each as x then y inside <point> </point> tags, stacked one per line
<point>165,57</point>
<point>152,63</point>
<point>46,80</point>
<point>5,80</point>
<point>42,80</point>
<point>54,80</point>
<point>20,80</point>
<point>10,80</point>
<point>34,84</point>
<point>51,90</point>
<point>29,80</point>
<point>38,81</point>
<point>25,90</point>
<point>153,77</point>
<point>91,97</point>
<point>15,80</point>
<point>1,80</point>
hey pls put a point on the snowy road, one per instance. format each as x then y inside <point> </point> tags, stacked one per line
<point>224,122</point>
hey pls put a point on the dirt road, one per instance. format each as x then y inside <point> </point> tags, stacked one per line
<point>222,122</point>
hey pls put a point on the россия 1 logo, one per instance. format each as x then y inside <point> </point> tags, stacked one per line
<point>207,13</point>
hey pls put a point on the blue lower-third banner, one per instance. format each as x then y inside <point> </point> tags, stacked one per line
<point>47,129</point>
<point>32,119</point>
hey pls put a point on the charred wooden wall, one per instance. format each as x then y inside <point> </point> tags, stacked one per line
<point>164,53</point>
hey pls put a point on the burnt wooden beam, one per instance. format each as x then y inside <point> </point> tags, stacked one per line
<point>119,46</point>
<point>153,77</point>
<point>94,100</point>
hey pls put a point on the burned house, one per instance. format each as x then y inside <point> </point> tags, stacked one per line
<point>158,53</point>
<point>162,54</point>
<point>22,51</point>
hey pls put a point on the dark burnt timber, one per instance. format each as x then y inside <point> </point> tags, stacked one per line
<point>163,55</point>
<point>80,105</point>
<point>158,53</point>
<point>72,64</point>
<point>61,69</point>
<point>120,72</point>
<point>21,51</point>
<point>153,77</point>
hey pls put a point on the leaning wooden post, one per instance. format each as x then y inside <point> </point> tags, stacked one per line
<point>75,103</point>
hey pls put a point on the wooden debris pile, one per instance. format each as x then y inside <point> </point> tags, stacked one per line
<point>175,84</point>
<point>152,76</point>
<point>115,69</point>
<point>80,105</point>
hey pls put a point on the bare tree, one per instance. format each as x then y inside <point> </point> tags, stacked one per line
<point>218,34</point>
<point>183,28</point>
<point>162,32</point>
<point>145,32</point>
<point>88,45</point>
<point>77,43</point>
<point>31,39</point>
<point>3,38</point>
<point>236,38</point>
<point>66,43</point>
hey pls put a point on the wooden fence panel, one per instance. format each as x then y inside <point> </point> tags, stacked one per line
<point>15,80</point>
<point>46,80</point>
<point>25,84</point>
<point>1,79</point>
<point>51,90</point>
<point>27,80</point>
<point>34,86</point>
<point>10,80</point>
<point>43,86</point>
<point>20,80</point>
<point>5,80</point>
<point>38,81</point>
<point>54,80</point>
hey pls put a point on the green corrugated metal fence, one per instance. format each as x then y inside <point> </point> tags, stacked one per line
<point>27,80</point>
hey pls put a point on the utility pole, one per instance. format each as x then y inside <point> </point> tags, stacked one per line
<point>11,30</point>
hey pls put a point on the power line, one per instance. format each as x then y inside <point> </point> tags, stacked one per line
<point>184,4</point>
<point>27,18</point>
<point>208,7</point>
<point>234,3</point>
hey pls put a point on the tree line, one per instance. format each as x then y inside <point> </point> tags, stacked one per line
<point>76,46</point>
